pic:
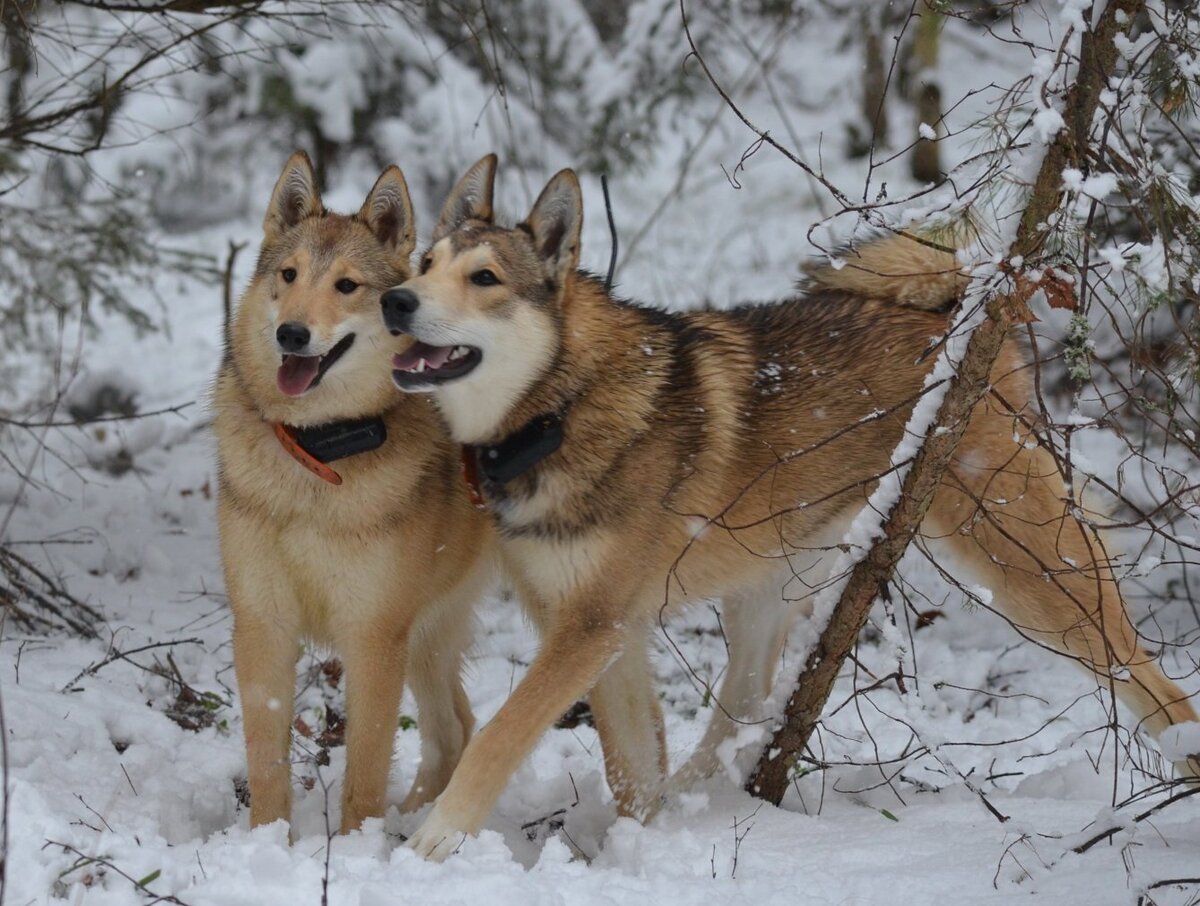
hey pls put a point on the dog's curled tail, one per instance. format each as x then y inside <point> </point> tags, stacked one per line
<point>896,268</point>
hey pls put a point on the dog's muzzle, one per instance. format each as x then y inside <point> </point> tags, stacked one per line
<point>399,305</point>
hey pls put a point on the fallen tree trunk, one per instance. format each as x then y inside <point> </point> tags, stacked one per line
<point>870,576</point>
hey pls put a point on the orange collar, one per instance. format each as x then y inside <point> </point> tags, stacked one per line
<point>287,440</point>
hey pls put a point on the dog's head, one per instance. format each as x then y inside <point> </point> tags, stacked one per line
<point>486,308</point>
<point>308,326</point>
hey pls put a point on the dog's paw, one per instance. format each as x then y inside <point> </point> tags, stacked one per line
<point>436,838</point>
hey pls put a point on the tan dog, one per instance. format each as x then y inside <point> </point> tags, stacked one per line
<point>610,437</point>
<point>386,565</point>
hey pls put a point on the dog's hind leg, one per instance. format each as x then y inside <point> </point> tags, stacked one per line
<point>755,624</point>
<point>630,724</point>
<point>1003,509</point>
<point>436,650</point>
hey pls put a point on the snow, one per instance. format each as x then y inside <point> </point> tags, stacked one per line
<point>103,768</point>
<point>321,80</point>
<point>1180,741</point>
<point>1047,123</point>
<point>1098,186</point>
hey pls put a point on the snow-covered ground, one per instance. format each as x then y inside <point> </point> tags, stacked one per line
<point>100,771</point>
<point>113,801</point>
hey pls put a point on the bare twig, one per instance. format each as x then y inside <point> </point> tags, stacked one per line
<point>612,229</point>
<point>125,656</point>
<point>1137,819</point>
<point>140,886</point>
<point>227,282</point>
<point>37,602</point>
<point>98,420</point>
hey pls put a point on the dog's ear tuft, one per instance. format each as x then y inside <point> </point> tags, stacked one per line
<point>295,198</point>
<point>555,223</point>
<point>388,212</point>
<point>471,198</point>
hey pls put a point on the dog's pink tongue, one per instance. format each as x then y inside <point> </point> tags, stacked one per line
<point>297,372</point>
<point>435,357</point>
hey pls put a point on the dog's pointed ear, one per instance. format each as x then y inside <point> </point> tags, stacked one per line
<point>555,223</point>
<point>388,212</point>
<point>295,197</point>
<point>471,198</point>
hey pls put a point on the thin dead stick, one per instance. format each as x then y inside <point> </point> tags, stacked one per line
<point>328,833</point>
<point>103,419</point>
<point>124,656</point>
<point>763,135</point>
<point>140,886</point>
<point>612,229</point>
<point>874,571</point>
<point>26,471</point>
<point>227,281</point>
<point>50,604</point>
<point>1153,810</point>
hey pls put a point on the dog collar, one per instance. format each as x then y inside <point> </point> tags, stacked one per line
<point>513,456</point>
<point>315,446</point>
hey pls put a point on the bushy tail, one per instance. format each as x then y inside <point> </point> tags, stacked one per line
<point>897,269</point>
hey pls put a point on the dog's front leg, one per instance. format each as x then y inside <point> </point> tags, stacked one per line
<point>264,657</point>
<point>374,658</point>
<point>572,658</point>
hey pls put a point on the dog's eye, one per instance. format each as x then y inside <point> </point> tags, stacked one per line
<point>426,263</point>
<point>345,286</point>
<point>484,278</point>
<point>288,274</point>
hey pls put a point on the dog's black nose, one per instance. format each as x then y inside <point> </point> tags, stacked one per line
<point>292,337</point>
<point>398,307</point>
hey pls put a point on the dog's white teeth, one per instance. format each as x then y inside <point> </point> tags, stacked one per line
<point>458,352</point>
<point>420,366</point>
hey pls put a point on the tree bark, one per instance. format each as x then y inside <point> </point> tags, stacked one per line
<point>871,575</point>
<point>871,130</point>
<point>925,161</point>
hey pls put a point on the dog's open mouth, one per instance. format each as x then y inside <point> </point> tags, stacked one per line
<point>300,373</point>
<point>422,364</point>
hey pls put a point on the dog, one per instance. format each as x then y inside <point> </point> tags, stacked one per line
<point>635,459</point>
<point>340,513</point>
